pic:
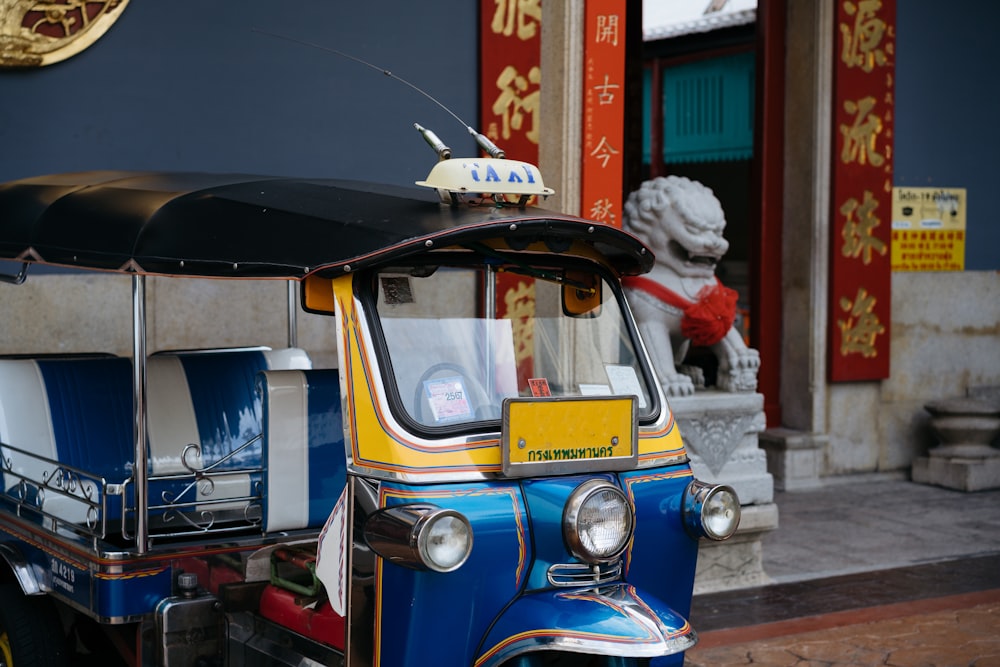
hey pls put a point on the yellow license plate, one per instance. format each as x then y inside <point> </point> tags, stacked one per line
<point>567,435</point>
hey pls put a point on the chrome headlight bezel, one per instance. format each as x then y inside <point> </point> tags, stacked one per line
<point>405,535</point>
<point>711,510</point>
<point>578,508</point>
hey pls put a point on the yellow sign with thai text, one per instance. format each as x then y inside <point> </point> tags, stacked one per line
<point>928,229</point>
<point>561,435</point>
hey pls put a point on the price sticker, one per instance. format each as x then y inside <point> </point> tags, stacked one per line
<point>448,399</point>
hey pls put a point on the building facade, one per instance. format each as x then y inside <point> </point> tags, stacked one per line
<point>189,86</point>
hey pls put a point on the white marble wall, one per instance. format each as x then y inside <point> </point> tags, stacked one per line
<point>945,329</point>
<point>945,338</point>
<point>93,313</point>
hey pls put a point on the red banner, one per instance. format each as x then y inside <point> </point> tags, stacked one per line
<point>861,215</point>
<point>603,111</point>
<point>510,56</point>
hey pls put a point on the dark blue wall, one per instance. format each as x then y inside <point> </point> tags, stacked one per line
<point>948,110</point>
<point>189,85</point>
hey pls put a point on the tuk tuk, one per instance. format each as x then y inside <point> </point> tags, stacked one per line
<point>488,474</point>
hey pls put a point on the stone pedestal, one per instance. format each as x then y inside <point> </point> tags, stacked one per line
<point>964,470</point>
<point>966,427</point>
<point>794,458</point>
<point>720,431</point>
<point>737,562</point>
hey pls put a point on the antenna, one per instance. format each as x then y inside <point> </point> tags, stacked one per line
<point>482,140</point>
<point>443,151</point>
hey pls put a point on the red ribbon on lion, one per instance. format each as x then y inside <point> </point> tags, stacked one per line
<point>704,322</point>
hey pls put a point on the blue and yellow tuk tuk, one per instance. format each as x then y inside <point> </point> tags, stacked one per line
<point>487,474</point>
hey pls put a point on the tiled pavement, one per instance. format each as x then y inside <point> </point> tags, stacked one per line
<point>876,572</point>
<point>966,636</point>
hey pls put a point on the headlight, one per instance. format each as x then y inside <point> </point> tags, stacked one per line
<point>420,537</point>
<point>711,511</point>
<point>445,541</point>
<point>597,521</point>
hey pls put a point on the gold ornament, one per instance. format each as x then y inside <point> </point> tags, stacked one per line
<point>34,33</point>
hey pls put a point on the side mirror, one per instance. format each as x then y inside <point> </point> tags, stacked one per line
<point>317,295</point>
<point>581,294</point>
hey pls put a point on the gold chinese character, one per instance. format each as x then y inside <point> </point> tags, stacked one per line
<point>863,41</point>
<point>604,91</point>
<point>514,101</point>
<point>607,29</point>
<point>860,138</point>
<point>603,211</point>
<point>604,151</point>
<point>520,302</point>
<point>525,14</point>
<point>859,330</point>
<point>858,234</point>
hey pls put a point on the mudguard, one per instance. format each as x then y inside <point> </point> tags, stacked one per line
<point>614,620</point>
<point>24,574</point>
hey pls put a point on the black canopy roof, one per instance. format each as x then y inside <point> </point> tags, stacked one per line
<point>241,226</point>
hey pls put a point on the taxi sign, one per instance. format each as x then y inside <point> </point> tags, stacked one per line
<point>486,176</point>
<point>568,435</point>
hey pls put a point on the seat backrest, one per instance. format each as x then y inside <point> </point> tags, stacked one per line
<point>208,398</point>
<point>303,447</point>
<point>90,403</point>
<point>77,411</point>
<point>24,410</point>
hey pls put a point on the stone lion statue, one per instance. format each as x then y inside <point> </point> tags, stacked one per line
<point>681,302</point>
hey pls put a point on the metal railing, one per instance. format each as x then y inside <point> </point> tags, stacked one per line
<point>71,501</point>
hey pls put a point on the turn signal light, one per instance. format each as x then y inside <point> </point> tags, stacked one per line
<point>711,511</point>
<point>420,537</point>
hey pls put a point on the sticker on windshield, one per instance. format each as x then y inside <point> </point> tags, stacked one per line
<point>624,381</point>
<point>397,290</point>
<point>448,399</point>
<point>539,387</point>
<point>595,390</point>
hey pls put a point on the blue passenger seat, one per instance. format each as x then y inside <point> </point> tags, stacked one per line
<point>77,413</point>
<point>74,417</point>
<point>210,398</point>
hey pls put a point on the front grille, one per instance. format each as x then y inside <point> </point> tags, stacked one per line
<point>582,574</point>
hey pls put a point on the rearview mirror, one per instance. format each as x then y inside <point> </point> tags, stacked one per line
<point>581,294</point>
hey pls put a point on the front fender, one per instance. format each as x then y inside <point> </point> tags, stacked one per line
<point>22,570</point>
<point>614,620</point>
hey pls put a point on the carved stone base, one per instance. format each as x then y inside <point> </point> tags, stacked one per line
<point>737,562</point>
<point>720,434</point>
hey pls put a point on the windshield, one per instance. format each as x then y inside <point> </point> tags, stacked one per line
<point>461,339</point>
